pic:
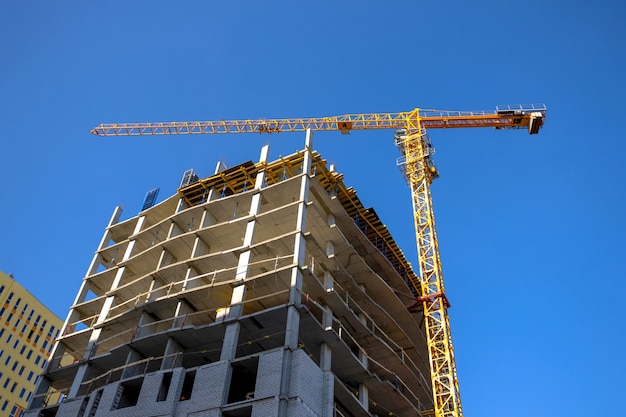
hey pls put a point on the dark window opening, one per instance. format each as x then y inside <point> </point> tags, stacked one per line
<point>165,386</point>
<point>190,378</point>
<point>49,412</point>
<point>127,394</point>
<point>243,380</point>
<point>239,412</point>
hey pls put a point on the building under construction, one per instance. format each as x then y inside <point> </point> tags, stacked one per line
<point>266,289</point>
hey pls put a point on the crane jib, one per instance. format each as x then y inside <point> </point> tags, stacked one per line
<point>512,117</point>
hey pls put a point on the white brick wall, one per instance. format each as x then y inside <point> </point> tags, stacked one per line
<point>268,374</point>
<point>306,392</point>
<point>307,383</point>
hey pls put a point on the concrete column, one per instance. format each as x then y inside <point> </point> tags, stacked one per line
<point>173,354</point>
<point>132,357</point>
<point>329,282</point>
<point>182,205</point>
<point>190,279</point>
<point>207,219</point>
<point>166,259</point>
<point>95,263</point>
<point>333,191</point>
<point>142,327</point>
<point>295,292</point>
<point>200,248</point>
<point>175,230</point>
<point>330,248</point>
<point>327,318</point>
<point>328,390</point>
<point>231,335</point>
<point>363,358</point>
<point>183,309</point>
<point>364,396</point>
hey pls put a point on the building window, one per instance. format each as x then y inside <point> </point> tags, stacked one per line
<point>30,353</point>
<point>188,382</point>
<point>128,393</point>
<point>13,387</point>
<point>23,329</point>
<point>37,360</point>
<point>24,309</point>
<point>50,331</point>
<point>243,380</point>
<point>43,325</point>
<point>2,311</point>
<point>44,345</point>
<point>30,376</point>
<point>15,366</point>
<point>6,383</point>
<point>9,298</point>
<point>13,411</point>
<point>36,339</point>
<point>22,349</point>
<point>21,370</point>
<point>9,338</point>
<point>30,315</point>
<point>17,303</point>
<point>166,381</point>
<point>8,360</point>
<point>1,289</point>
<point>22,392</point>
<point>1,352</point>
<point>17,342</point>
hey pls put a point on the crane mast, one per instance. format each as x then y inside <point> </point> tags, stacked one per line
<point>412,139</point>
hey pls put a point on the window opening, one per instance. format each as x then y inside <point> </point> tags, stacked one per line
<point>190,378</point>
<point>49,412</point>
<point>127,394</point>
<point>165,386</point>
<point>243,380</point>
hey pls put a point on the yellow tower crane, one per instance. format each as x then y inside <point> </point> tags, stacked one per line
<point>419,170</point>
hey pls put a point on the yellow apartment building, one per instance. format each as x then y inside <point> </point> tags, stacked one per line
<point>27,333</point>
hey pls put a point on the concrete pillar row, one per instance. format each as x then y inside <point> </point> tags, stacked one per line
<point>91,348</point>
<point>292,327</point>
<point>231,335</point>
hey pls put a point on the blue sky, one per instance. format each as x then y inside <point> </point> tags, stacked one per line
<point>531,228</point>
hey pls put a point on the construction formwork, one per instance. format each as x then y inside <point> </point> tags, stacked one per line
<point>266,289</point>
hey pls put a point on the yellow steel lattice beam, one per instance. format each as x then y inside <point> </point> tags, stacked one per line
<point>525,116</point>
